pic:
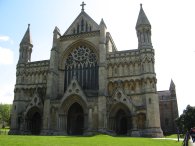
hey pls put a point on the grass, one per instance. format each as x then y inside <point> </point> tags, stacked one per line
<point>98,140</point>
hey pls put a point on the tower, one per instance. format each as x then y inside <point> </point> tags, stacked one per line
<point>168,109</point>
<point>143,29</point>
<point>21,78</point>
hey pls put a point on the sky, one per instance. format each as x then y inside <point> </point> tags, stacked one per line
<point>173,31</point>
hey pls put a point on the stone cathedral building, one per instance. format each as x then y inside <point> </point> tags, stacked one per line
<point>87,85</point>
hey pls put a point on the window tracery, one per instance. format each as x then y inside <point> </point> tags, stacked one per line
<point>82,63</point>
<point>81,55</point>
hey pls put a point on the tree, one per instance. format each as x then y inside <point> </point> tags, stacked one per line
<point>186,119</point>
<point>5,110</point>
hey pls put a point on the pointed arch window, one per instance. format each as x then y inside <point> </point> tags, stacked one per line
<point>82,62</point>
<point>82,25</point>
<point>78,28</point>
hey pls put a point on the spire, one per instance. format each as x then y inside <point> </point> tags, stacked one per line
<point>56,30</point>
<point>172,85</point>
<point>56,35</point>
<point>25,47</point>
<point>172,89</point>
<point>102,27</point>
<point>102,23</point>
<point>143,29</point>
<point>27,38</point>
<point>142,18</point>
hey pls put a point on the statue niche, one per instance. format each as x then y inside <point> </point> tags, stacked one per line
<point>82,64</point>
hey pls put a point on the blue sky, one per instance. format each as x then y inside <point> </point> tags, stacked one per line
<point>172,36</point>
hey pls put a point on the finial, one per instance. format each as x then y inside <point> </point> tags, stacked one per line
<point>82,5</point>
<point>140,5</point>
<point>28,25</point>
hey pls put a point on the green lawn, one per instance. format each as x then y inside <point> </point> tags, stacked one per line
<point>99,140</point>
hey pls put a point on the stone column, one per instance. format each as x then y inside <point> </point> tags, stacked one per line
<point>90,119</point>
<point>134,122</point>
<point>135,132</point>
<point>101,112</point>
<point>85,122</point>
<point>62,124</point>
<point>65,123</point>
<point>46,117</point>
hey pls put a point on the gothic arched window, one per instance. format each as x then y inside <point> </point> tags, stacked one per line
<point>82,63</point>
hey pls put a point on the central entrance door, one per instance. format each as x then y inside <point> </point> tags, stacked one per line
<point>75,125</point>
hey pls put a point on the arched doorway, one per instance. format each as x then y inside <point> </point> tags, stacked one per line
<point>34,121</point>
<point>75,121</point>
<point>121,122</point>
<point>120,119</point>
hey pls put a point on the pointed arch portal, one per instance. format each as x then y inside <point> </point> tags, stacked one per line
<point>34,121</point>
<point>121,122</point>
<point>75,121</point>
<point>120,119</point>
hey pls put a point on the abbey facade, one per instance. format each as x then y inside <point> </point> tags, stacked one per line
<point>87,85</point>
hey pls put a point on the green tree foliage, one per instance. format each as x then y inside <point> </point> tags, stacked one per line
<point>186,119</point>
<point>5,110</point>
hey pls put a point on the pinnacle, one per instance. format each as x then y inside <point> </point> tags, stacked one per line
<point>27,38</point>
<point>142,18</point>
<point>102,22</point>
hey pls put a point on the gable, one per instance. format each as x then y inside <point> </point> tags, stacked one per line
<point>120,96</point>
<point>74,89</point>
<point>83,23</point>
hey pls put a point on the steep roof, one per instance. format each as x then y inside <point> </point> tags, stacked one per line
<point>142,18</point>
<point>27,38</point>
<point>87,20</point>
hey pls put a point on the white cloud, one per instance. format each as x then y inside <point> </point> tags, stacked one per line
<point>4,38</point>
<point>6,56</point>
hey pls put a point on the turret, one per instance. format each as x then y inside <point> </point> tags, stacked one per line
<point>102,57</point>
<point>26,47</point>
<point>143,29</point>
<point>52,86</point>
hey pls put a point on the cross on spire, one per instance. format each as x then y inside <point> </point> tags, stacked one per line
<point>82,5</point>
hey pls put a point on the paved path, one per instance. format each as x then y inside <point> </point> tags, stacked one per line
<point>180,139</point>
<point>191,143</point>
